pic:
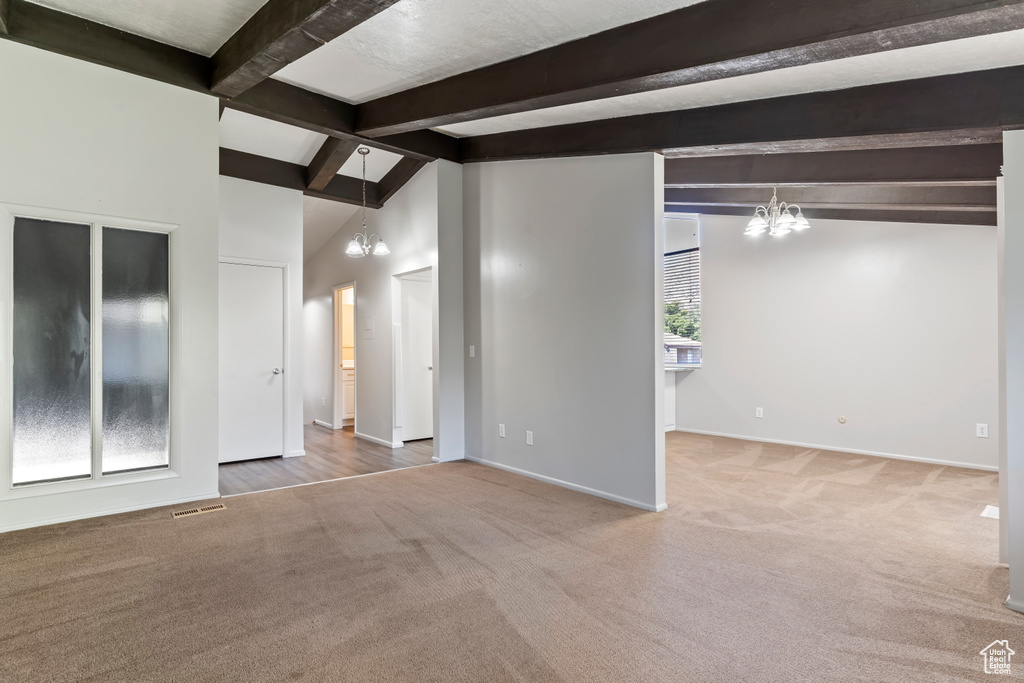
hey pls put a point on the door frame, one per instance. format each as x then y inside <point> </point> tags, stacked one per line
<point>286,341</point>
<point>337,419</point>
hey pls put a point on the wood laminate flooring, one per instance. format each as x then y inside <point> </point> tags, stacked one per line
<point>330,454</point>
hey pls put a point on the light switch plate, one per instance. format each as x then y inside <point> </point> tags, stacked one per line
<point>501,430</point>
<point>472,351</point>
<point>529,438</point>
<point>758,412</point>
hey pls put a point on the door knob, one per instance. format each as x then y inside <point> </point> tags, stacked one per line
<point>278,371</point>
<point>430,367</point>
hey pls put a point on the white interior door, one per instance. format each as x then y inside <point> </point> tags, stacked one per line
<point>417,361</point>
<point>251,362</point>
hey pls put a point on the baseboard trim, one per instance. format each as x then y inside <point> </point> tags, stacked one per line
<point>104,513</point>
<point>570,485</point>
<point>876,454</point>
<point>323,424</point>
<point>295,454</point>
<point>1015,605</point>
<point>382,442</point>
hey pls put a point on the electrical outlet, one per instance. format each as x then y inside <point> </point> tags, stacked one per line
<point>758,412</point>
<point>529,438</point>
<point>982,431</point>
<point>501,430</point>
<point>323,401</point>
<point>472,351</point>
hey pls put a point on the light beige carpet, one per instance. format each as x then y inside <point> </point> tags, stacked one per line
<point>772,564</point>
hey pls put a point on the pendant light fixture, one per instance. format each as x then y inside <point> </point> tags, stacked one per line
<point>777,219</point>
<point>360,244</point>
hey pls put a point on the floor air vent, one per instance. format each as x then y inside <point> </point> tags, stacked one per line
<point>198,511</point>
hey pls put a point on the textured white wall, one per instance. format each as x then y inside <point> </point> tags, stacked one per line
<point>563,304</point>
<point>891,325</point>
<point>101,141</point>
<point>265,223</point>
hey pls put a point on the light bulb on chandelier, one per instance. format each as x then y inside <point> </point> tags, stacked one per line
<point>776,219</point>
<point>360,244</point>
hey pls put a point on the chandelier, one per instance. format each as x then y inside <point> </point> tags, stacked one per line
<point>777,219</point>
<point>360,245</point>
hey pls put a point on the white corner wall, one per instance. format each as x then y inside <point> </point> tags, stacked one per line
<point>84,138</point>
<point>1012,473</point>
<point>891,325</point>
<point>413,222</point>
<point>264,223</point>
<point>563,305</point>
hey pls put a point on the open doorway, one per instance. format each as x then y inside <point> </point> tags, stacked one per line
<point>344,356</point>
<point>414,357</point>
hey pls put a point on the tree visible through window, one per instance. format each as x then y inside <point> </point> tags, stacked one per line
<point>682,308</point>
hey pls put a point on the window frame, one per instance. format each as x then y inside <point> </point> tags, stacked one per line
<point>700,288</point>
<point>97,479</point>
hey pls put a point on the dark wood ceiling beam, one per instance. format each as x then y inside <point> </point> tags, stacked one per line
<point>983,218</point>
<point>398,176</point>
<point>64,34</point>
<point>990,100</point>
<point>883,196</point>
<point>257,169</point>
<point>942,138</point>
<point>328,160</point>
<point>703,42</point>
<point>71,36</point>
<point>281,32</point>
<point>963,165</point>
<point>304,109</point>
<point>5,13</point>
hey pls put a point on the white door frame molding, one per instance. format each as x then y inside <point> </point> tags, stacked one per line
<point>286,353</point>
<point>337,417</point>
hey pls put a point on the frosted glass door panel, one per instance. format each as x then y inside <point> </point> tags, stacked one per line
<point>51,365</point>
<point>136,389</point>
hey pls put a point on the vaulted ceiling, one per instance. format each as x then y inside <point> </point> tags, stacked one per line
<point>306,81</point>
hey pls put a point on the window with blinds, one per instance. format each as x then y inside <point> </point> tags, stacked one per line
<point>682,308</point>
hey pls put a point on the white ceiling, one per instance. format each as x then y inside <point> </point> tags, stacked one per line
<point>378,163</point>
<point>267,138</point>
<point>256,135</point>
<point>418,41</point>
<point>969,54</point>
<point>196,25</point>
<point>321,218</point>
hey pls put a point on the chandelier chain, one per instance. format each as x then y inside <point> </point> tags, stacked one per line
<point>364,189</point>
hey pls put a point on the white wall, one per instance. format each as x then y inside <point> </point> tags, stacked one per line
<point>410,223</point>
<point>1012,507</point>
<point>449,335</point>
<point>264,223</point>
<point>84,138</point>
<point>681,234</point>
<point>563,304</point>
<point>892,325</point>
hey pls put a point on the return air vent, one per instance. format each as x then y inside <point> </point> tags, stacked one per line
<point>198,511</point>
